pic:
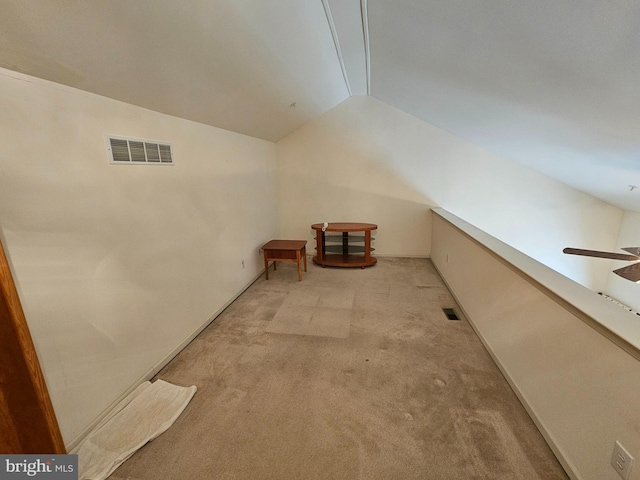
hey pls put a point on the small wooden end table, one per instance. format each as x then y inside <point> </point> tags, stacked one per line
<point>285,251</point>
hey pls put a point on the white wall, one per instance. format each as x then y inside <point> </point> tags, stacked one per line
<point>117,266</point>
<point>557,343</point>
<point>367,161</point>
<point>353,164</point>
<point>623,290</point>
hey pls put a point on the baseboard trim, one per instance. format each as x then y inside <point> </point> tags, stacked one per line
<point>392,255</point>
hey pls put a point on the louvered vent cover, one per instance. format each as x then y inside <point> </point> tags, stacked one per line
<point>130,151</point>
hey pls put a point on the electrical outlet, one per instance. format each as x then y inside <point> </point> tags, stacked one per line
<point>242,263</point>
<point>621,461</point>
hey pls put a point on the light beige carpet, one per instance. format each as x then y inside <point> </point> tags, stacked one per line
<point>350,374</point>
<point>310,310</point>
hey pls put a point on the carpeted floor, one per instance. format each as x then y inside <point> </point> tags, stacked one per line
<point>350,374</point>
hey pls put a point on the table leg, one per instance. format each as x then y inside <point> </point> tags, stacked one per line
<point>367,246</point>
<point>304,254</point>
<point>299,269</point>
<point>320,245</point>
<point>266,265</point>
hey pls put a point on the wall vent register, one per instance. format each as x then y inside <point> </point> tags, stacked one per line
<point>131,151</point>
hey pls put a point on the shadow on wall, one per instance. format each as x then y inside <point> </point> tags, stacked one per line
<point>404,226</point>
<point>338,170</point>
<point>327,160</point>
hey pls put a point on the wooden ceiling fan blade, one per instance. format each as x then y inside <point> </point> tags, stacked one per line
<point>596,253</point>
<point>633,251</point>
<point>631,272</point>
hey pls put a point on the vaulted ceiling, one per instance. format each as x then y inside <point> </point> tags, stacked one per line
<point>553,85</point>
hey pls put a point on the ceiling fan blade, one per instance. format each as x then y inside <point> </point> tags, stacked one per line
<point>631,272</point>
<point>596,253</point>
<point>633,251</point>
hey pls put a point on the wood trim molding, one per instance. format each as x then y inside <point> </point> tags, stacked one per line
<point>364,9</point>
<point>28,423</point>
<point>336,42</point>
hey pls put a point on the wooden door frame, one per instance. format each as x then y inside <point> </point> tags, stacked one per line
<point>28,423</point>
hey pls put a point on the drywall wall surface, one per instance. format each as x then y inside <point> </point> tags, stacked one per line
<point>118,265</point>
<point>577,382</point>
<point>367,161</point>
<point>622,290</point>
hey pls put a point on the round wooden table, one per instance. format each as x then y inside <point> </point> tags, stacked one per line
<point>338,244</point>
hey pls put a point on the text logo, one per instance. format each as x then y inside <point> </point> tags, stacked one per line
<point>50,467</point>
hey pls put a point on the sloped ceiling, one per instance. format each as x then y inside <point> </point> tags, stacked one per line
<point>554,85</point>
<point>262,68</point>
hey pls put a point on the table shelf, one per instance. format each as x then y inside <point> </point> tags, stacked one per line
<point>340,238</point>
<point>353,249</point>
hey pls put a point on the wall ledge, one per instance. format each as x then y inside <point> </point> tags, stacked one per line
<point>618,325</point>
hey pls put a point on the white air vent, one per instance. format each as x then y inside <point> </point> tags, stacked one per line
<point>131,151</point>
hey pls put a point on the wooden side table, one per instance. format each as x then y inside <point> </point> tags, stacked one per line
<point>285,251</point>
<point>344,250</point>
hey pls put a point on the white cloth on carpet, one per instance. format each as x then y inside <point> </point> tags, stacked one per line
<point>146,413</point>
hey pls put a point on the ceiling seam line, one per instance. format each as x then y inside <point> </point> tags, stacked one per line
<point>364,11</point>
<point>336,43</point>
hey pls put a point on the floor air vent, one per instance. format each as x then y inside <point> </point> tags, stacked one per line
<point>451,315</point>
<point>130,151</point>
